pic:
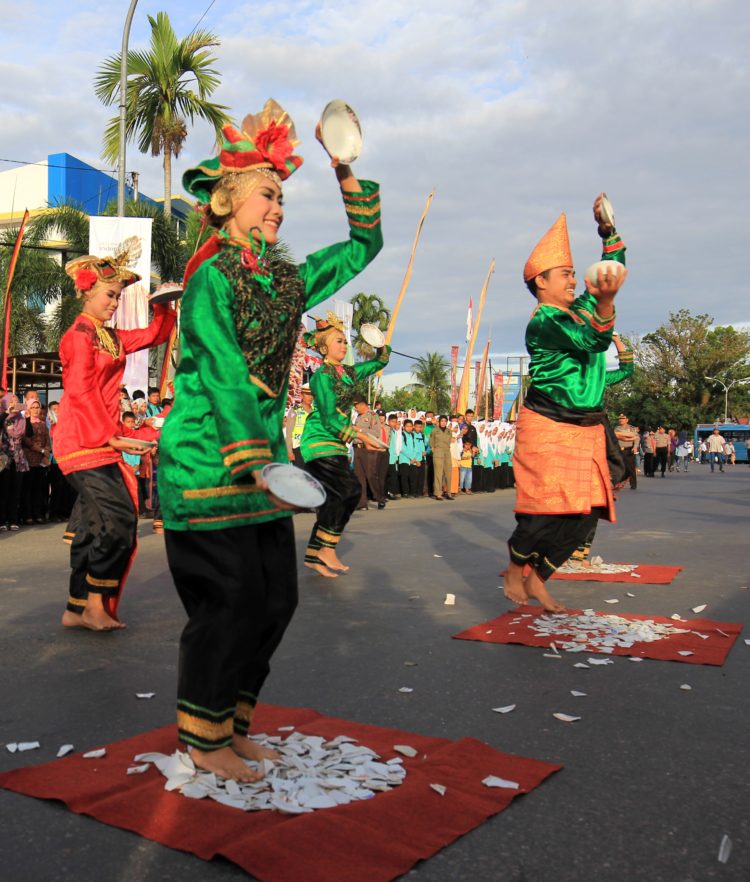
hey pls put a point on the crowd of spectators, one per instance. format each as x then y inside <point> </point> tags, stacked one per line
<point>33,490</point>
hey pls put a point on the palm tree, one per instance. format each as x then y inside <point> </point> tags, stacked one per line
<point>168,84</point>
<point>368,309</point>
<point>431,374</point>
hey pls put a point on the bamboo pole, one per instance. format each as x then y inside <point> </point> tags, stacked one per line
<point>407,275</point>
<point>463,392</point>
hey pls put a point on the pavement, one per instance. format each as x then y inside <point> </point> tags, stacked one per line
<point>653,775</point>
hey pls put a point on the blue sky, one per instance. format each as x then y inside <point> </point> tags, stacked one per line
<point>512,111</point>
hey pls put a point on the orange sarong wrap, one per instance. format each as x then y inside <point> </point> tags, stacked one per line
<point>560,468</point>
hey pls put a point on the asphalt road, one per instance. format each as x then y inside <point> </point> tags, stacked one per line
<point>654,776</point>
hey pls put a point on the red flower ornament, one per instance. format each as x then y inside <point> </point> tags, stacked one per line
<point>274,145</point>
<point>85,279</point>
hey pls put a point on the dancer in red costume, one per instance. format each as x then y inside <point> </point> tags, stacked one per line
<point>87,447</point>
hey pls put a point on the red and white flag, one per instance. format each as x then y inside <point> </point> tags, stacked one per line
<point>469,321</point>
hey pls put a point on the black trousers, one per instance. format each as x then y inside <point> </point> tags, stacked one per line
<point>648,464</point>
<point>661,459</point>
<point>239,588</point>
<point>104,522</point>
<point>547,541</point>
<point>391,482</point>
<point>35,494</point>
<point>629,460</point>
<point>11,482</point>
<point>410,475</point>
<point>343,491</point>
<point>62,495</point>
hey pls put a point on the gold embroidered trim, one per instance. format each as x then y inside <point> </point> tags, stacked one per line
<point>327,537</point>
<point>212,492</point>
<point>88,451</point>
<point>233,517</point>
<point>359,209</point>
<point>102,583</point>
<point>75,601</point>
<point>244,712</point>
<point>204,729</point>
<point>261,385</point>
<point>261,452</point>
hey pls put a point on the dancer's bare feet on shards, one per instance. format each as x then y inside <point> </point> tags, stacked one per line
<point>537,589</point>
<point>331,560</point>
<point>225,763</point>
<point>514,584</point>
<point>248,749</point>
<point>321,569</point>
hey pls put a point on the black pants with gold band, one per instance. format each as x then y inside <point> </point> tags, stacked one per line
<point>545,542</point>
<point>342,497</point>
<point>104,526</point>
<point>239,588</point>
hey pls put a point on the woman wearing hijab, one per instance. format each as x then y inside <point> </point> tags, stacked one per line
<point>12,432</point>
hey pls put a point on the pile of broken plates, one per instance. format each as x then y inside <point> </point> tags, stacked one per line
<point>597,566</point>
<point>310,774</point>
<point>588,632</point>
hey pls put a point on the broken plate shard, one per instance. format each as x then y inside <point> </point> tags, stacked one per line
<point>577,694</point>
<point>600,661</point>
<point>686,686</point>
<point>725,849</point>
<point>145,694</point>
<point>95,754</point>
<point>12,747</point>
<point>65,750</point>
<point>612,600</point>
<point>566,718</point>
<point>406,689</point>
<point>139,770</point>
<point>504,710</point>
<point>629,594</point>
<point>286,729</point>
<point>685,652</point>
<point>699,609</point>
<point>439,788</point>
<point>27,745</point>
<point>494,781</point>
<point>450,600</point>
<point>635,658</point>
<point>437,555</point>
<point>405,749</point>
<point>410,664</point>
<point>581,665</point>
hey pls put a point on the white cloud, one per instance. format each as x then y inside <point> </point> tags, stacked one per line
<point>513,112</point>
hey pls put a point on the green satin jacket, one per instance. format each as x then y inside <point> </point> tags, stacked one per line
<point>237,340</point>
<point>328,428</point>
<point>568,346</point>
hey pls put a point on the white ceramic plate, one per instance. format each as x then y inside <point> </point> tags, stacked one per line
<point>606,212</point>
<point>604,265</point>
<point>157,422</point>
<point>372,335</point>
<point>136,442</point>
<point>341,131</point>
<point>293,485</point>
<point>378,442</point>
<point>166,293</point>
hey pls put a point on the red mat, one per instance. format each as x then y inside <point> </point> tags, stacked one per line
<point>372,840</point>
<point>712,651</point>
<point>649,575</point>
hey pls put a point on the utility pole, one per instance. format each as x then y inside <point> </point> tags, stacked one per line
<point>123,104</point>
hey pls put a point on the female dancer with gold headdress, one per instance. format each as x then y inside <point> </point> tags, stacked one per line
<point>327,432</point>
<point>230,543</point>
<point>87,447</point>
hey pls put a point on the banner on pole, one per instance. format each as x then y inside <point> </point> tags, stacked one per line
<point>106,235</point>
<point>497,403</point>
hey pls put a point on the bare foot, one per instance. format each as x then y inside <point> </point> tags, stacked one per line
<point>248,749</point>
<point>330,559</point>
<point>514,584</point>
<point>321,569</point>
<point>98,620</point>
<point>225,763</point>
<point>538,590</point>
<point>71,620</point>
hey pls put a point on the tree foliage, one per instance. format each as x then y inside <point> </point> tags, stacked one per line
<point>431,374</point>
<point>168,84</point>
<point>406,397</point>
<point>669,386</point>
<point>368,309</point>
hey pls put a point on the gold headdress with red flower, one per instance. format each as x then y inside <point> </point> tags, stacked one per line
<point>89,270</point>
<point>265,143</point>
<point>323,326</point>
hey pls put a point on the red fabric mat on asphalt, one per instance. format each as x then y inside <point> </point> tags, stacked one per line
<point>711,651</point>
<point>371,840</point>
<point>649,575</point>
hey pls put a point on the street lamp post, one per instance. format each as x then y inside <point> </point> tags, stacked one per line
<point>726,389</point>
<point>123,104</point>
